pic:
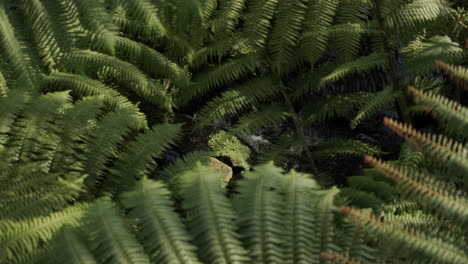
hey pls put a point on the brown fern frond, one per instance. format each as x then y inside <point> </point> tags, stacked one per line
<point>336,257</point>
<point>457,74</point>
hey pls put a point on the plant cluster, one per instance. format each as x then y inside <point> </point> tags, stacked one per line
<point>112,113</point>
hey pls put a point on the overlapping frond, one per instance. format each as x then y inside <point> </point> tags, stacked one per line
<point>340,146</point>
<point>375,104</point>
<point>161,231</point>
<point>20,239</point>
<point>111,240</point>
<point>236,100</point>
<point>137,159</point>
<point>211,220</point>
<point>265,116</point>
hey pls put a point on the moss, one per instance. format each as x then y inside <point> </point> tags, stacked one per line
<point>227,145</point>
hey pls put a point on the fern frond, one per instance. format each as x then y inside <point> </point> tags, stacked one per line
<point>375,60</point>
<point>20,239</point>
<point>222,74</point>
<point>145,12</point>
<point>411,13</point>
<point>10,107</point>
<point>285,33</point>
<point>124,73</point>
<point>376,104</point>
<point>419,61</point>
<point>424,188</point>
<point>82,86</point>
<point>12,50</point>
<point>99,31</point>
<point>33,193</point>
<point>458,74</point>
<point>301,218</point>
<point>334,106</point>
<point>258,21</point>
<point>29,131</point>
<point>70,247</point>
<point>380,189</point>
<point>136,160</point>
<point>441,107</point>
<point>37,17</point>
<point>236,100</point>
<point>160,230</point>
<point>340,146</point>
<point>281,148</point>
<point>435,248</point>
<point>445,149</point>
<point>110,239</point>
<point>151,61</point>
<point>259,206</point>
<point>103,142</point>
<point>265,116</point>
<point>318,19</point>
<point>211,219</point>
<point>187,162</point>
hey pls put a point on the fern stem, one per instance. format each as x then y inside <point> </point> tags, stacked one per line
<point>392,64</point>
<point>299,126</point>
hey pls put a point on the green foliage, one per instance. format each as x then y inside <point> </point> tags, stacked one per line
<point>224,144</point>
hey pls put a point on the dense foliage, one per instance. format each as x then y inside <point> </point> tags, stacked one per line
<point>233,131</point>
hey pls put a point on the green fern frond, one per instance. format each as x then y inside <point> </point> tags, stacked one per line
<point>375,104</point>
<point>318,19</point>
<point>26,193</point>
<point>82,86</point>
<point>13,50</point>
<point>151,61</point>
<point>236,100</point>
<point>375,60</point>
<point>266,116</point>
<point>419,61</point>
<point>259,206</point>
<point>145,12</point>
<point>187,162</point>
<point>20,239</point>
<point>211,219</point>
<point>103,142</point>
<point>301,219</point>
<point>281,148</point>
<point>334,106</point>
<point>124,73</point>
<point>71,128</point>
<point>10,107</point>
<point>99,32</point>
<point>222,74</point>
<point>380,189</point>
<point>285,32</point>
<point>258,21</point>
<point>70,247</point>
<point>29,131</point>
<point>160,230</point>
<point>110,238</point>
<point>44,38</point>
<point>400,15</point>
<point>361,199</point>
<point>136,160</point>
<point>339,146</point>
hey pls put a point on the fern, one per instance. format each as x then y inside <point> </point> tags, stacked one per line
<point>380,100</point>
